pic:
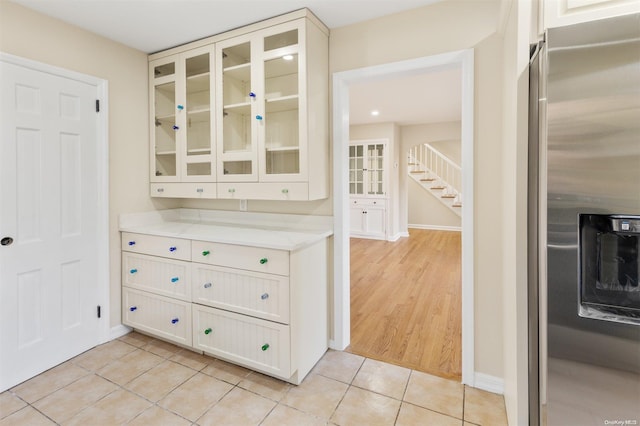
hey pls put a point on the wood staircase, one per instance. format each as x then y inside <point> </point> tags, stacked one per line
<point>438,175</point>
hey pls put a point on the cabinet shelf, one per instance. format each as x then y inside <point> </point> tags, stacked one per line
<point>282,103</point>
<point>166,152</point>
<point>198,151</point>
<point>240,108</point>
<point>239,72</point>
<point>284,149</point>
<point>198,83</point>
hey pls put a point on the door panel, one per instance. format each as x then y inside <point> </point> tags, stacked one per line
<point>49,189</point>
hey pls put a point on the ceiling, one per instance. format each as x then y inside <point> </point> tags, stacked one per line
<point>154,25</point>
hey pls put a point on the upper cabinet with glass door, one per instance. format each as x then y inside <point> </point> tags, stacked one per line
<point>272,134</point>
<point>367,169</point>
<point>182,136</point>
<point>243,114</point>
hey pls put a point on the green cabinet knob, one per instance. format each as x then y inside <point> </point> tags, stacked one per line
<point>206,253</point>
<point>207,331</point>
<point>263,260</point>
<point>265,346</point>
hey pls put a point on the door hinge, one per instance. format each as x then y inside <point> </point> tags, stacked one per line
<point>98,311</point>
<point>97,105</point>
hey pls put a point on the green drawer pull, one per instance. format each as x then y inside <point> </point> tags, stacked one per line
<point>206,253</point>
<point>208,331</point>
<point>265,346</point>
<point>263,260</point>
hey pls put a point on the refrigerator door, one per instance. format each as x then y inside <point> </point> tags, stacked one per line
<point>593,168</point>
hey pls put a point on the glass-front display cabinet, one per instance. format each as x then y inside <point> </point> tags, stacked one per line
<point>260,103</point>
<point>366,169</point>
<point>182,115</point>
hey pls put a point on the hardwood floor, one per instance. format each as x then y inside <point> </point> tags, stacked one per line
<point>406,301</point>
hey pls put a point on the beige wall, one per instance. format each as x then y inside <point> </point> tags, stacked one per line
<point>425,211</point>
<point>439,28</point>
<point>34,36</point>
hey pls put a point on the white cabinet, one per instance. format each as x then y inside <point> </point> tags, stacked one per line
<point>272,94</point>
<point>558,13</point>
<point>182,113</point>
<point>368,218</point>
<point>243,114</point>
<point>367,188</point>
<point>259,307</point>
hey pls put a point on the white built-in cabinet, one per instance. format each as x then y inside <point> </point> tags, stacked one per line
<point>182,137</point>
<point>262,308</point>
<point>558,13</point>
<point>367,188</point>
<point>243,115</point>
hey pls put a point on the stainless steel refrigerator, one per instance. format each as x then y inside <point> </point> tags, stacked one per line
<point>584,225</point>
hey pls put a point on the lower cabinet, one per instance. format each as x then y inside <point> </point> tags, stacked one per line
<point>162,316</point>
<point>258,344</point>
<point>368,218</point>
<point>261,308</point>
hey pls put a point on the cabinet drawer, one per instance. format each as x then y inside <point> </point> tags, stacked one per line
<point>242,257</point>
<point>369,202</point>
<point>264,191</point>
<point>167,277</point>
<point>183,190</point>
<point>173,248</point>
<point>260,295</point>
<point>254,343</point>
<point>162,316</point>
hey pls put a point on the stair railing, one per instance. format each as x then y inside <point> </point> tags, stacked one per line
<point>434,166</point>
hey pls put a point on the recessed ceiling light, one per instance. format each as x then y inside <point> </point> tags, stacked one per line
<point>375,113</point>
<point>288,57</point>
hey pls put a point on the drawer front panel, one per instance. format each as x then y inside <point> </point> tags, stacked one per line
<point>242,257</point>
<point>263,191</point>
<point>162,276</point>
<point>173,248</point>
<point>162,316</point>
<point>260,295</point>
<point>257,344</point>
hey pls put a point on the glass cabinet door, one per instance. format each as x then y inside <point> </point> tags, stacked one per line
<point>165,124</point>
<point>375,169</point>
<point>367,169</point>
<point>237,115</point>
<point>356,173</point>
<point>198,158</point>
<point>279,141</point>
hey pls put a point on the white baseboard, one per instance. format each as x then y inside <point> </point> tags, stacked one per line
<point>119,331</point>
<point>489,383</point>
<point>436,227</point>
<point>397,236</point>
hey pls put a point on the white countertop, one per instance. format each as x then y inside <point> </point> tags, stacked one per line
<point>276,231</point>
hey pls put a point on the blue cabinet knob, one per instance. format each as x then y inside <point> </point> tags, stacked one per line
<point>175,279</point>
<point>175,320</point>
<point>174,127</point>
<point>133,271</point>
<point>251,94</point>
<point>173,248</point>
<point>180,107</point>
<point>258,117</point>
<point>133,308</point>
<point>132,243</point>
<point>264,296</point>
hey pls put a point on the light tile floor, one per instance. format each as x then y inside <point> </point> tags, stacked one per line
<point>139,380</point>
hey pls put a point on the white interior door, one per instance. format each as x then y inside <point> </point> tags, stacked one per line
<point>50,213</point>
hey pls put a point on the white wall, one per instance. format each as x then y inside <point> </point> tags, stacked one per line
<point>34,36</point>
<point>514,193</point>
<point>425,211</point>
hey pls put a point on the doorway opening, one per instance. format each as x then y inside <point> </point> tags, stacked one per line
<point>342,289</point>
